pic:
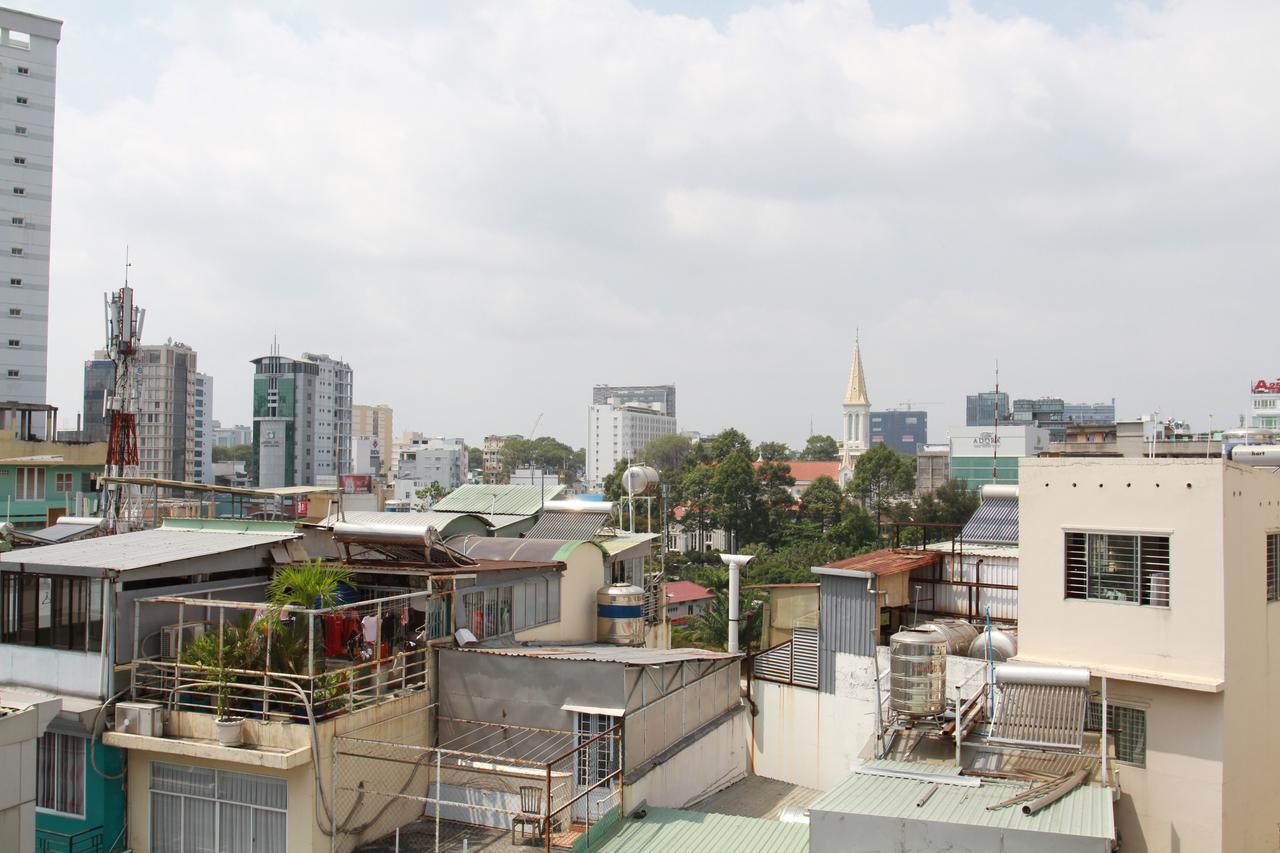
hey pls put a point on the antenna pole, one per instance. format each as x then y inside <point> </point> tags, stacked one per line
<point>995,434</point>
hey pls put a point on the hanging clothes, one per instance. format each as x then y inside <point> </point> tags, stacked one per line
<point>334,644</point>
<point>370,627</point>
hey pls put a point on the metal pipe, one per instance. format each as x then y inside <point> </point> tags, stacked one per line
<point>735,562</point>
<point>1105,750</point>
<point>1074,781</point>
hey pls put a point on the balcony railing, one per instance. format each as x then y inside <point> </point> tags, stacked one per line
<point>85,841</point>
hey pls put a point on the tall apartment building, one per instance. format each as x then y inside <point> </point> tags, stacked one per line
<point>661,398</point>
<point>28,70</point>
<point>231,436</point>
<point>616,432</point>
<point>301,420</point>
<point>436,460</point>
<point>375,422</point>
<point>203,415</point>
<point>166,411</point>
<point>99,379</point>
<point>492,451</point>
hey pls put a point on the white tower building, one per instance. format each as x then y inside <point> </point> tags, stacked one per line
<point>856,436</point>
<point>28,66</point>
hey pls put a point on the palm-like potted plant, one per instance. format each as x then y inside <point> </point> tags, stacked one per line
<point>314,586</point>
<point>217,662</point>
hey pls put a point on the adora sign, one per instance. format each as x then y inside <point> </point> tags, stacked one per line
<point>1262,386</point>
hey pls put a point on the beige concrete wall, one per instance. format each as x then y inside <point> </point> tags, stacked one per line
<point>1250,783</point>
<point>716,760</point>
<point>1182,499</point>
<point>584,569</point>
<point>399,721</point>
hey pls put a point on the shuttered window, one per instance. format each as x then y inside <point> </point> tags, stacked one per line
<point>1273,567</point>
<point>1123,568</point>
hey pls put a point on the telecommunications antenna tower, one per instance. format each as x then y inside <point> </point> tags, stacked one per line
<point>122,507</point>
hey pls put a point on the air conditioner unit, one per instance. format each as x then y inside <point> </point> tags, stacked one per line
<point>187,630</point>
<point>140,718</point>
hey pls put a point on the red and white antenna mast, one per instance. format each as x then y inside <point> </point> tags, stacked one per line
<point>122,507</point>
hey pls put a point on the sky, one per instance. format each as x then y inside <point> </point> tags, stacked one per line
<point>489,207</point>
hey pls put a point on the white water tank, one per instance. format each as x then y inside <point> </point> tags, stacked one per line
<point>637,478</point>
<point>957,633</point>
<point>1263,455</point>
<point>1004,644</point>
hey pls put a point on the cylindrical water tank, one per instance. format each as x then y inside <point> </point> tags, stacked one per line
<point>1004,644</point>
<point>620,615</point>
<point>957,633</point>
<point>918,673</point>
<point>637,478</point>
<point>1264,455</point>
<point>1061,676</point>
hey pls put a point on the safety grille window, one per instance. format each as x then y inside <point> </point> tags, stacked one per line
<point>1123,568</point>
<point>1273,567</point>
<point>200,808</point>
<point>1126,727</point>
<point>60,773</point>
<point>500,610</point>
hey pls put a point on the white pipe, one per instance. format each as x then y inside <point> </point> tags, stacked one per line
<point>735,562</point>
<point>1105,781</point>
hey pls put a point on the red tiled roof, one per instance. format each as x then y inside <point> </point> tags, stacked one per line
<point>678,592</point>
<point>888,561</point>
<point>807,472</point>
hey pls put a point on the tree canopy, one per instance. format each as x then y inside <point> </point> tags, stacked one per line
<point>882,477</point>
<point>773,451</point>
<point>820,448</point>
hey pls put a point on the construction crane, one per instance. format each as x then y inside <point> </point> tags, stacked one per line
<point>535,427</point>
<point>122,503</point>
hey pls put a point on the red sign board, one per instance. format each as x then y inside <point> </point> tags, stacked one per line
<point>356,484</point>
<point>301,508</point>
<point>1263,386</point>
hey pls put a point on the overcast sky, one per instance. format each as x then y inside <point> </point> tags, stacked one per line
<point>487,208</point>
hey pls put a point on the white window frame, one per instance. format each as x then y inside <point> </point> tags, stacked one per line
<point>59,743</point>
<point>29,484</point>
<point>1082,569</point>
<point>64,477</point>
<point>215,800</point>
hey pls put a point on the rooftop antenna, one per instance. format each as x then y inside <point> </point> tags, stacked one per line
<point>995,434</point>
<point>122,502</point>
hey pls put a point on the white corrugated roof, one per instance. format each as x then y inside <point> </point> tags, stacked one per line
<point>144,548</point>
<point>604,653</point>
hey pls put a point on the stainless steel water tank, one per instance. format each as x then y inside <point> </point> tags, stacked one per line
<point>918,673</point>
<point>958,634</point>
<point>1004,645</point>
<point>620,615</point>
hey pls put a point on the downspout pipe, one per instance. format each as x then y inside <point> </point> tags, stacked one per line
<point>735,562</point>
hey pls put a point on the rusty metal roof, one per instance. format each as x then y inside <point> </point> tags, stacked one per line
<point>886,561</point>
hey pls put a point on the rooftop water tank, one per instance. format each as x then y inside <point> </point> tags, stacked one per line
<point>958,633</point>
<point>1004,644</point>
<point>620,615</point>
<point>1264,455</point>
<point>637,478</point>
<point>918,673</point>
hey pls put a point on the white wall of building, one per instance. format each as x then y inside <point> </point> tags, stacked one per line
<point>436,460</point>
<point>28,71</point>
<point>620,432</point>
<point>204,431</point>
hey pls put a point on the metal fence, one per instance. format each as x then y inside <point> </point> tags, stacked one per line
<point>479,780</point>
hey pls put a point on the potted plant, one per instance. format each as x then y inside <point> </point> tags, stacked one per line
<point>230,728</point>
<point>313,586</point>
<point>216,662</point>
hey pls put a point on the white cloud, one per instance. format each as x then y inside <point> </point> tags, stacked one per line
<point>514,201</point>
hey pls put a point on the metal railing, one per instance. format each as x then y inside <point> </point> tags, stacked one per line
<point>84,841</point>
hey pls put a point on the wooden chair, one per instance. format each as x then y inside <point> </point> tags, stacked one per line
<point>530,813</point>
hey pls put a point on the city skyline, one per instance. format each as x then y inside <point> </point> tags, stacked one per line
<point>966,184</point>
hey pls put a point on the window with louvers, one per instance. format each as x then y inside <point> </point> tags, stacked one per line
<point>1273,567</point>
<point>1123,568</point>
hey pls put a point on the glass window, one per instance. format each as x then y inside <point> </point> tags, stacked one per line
<point>1273,566</point>
<point>30,484</point>
<point>203,809</point>
<point>1126,727</point>
<point>64,481</point>
<point>1123,568</point>
<point>51,611</point>
<point>60,773</point>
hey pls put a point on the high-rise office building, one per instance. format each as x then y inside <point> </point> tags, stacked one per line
<point>203,414</point>
<point>1090,413</point>
<point>375,422</point>
<point>99,379</point>
<point>166,411</point>
<point>617,432</point>
<point>985,408</point>
<point>28,70</point>
<point>301,420</point>
<point>660,398</point>
<point>904,430</point>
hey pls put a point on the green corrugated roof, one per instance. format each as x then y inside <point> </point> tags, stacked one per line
<point>673,829</point>
<point>617,544</point>
<point>497,500</point>
<point>1085,812</point>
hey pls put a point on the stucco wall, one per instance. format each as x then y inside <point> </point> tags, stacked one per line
<point>578,584</point>
<point>716,760</point>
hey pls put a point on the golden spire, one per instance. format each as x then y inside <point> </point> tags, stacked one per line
<point>857,393</point>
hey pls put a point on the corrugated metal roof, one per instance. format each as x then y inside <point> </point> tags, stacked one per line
<point>976,550</point>
<point>568,525</point>
<point>615,545</point>
<point>673,829</point>
<point>498,500</point>
<point>1086,812</point>
<point>502,548</point>
<point>168,544</point>
<point>995,522</point>
<point>600,652</point>
<point>887,561</point>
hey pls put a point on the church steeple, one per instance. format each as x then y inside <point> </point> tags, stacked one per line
<point>856,395</point>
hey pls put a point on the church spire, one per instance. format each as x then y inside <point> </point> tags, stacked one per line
<point>857,393</point>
